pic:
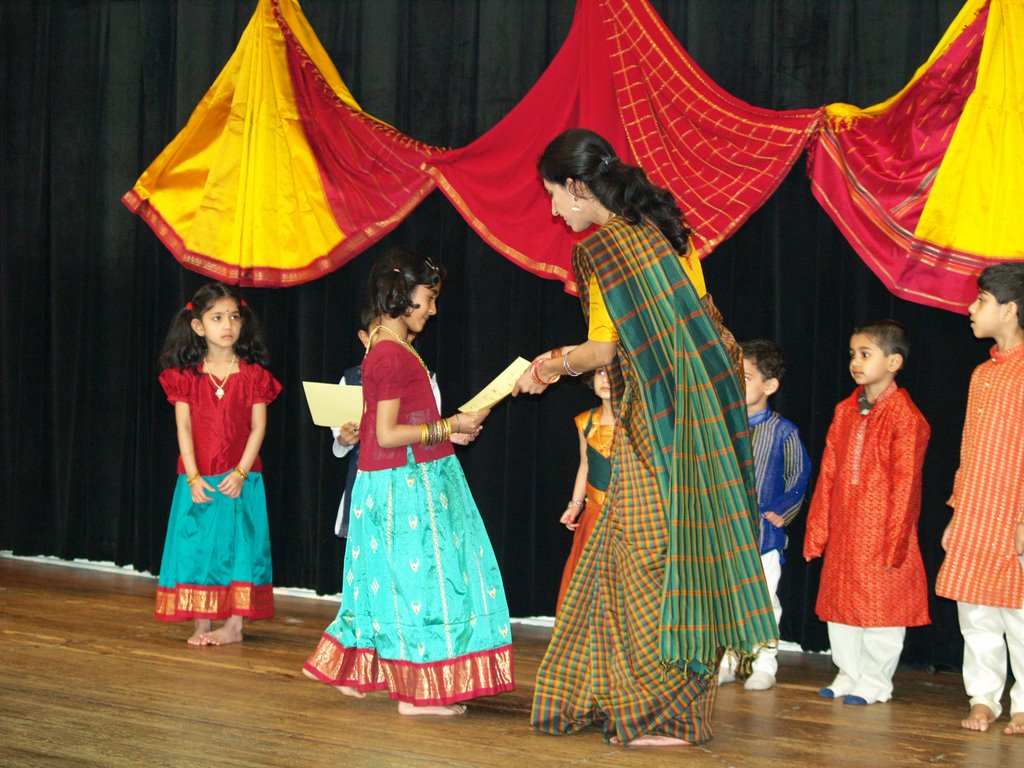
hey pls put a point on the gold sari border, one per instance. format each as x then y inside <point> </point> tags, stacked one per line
<point>481,673</point>
<point>190,601</point>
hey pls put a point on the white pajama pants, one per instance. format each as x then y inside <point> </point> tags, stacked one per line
<point>767,659</point>
<point>988,633</point>
<point>867,658</point>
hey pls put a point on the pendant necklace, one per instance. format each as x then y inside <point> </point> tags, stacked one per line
<point>219,385</point>
<point>401,341</point>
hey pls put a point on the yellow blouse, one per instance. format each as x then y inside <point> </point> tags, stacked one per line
<point>601,326</point>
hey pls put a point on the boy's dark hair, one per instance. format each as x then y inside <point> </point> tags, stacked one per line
<point>766,356</point>
<point>890,336</point>
<point>1006,282</point>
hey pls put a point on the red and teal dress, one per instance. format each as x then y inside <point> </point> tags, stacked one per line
<point>423,612</point>
<point>216,560</point>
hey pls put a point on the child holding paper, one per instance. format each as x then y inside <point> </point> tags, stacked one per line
<point>423,612</point>
<point>345,439</point>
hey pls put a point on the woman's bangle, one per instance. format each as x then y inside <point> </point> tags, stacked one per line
<point>242,473</point>
<point>194,479</point>
<point>576,503</point>
<point>458,423</point>
<point>568,368</point>
<point>535,374</point>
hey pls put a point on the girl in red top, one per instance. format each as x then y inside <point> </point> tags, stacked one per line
<point>216,562</point>
<point>423,612</point>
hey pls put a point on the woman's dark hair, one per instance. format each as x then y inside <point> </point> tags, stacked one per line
<point>394,278</point>
<point>582,155</point>
<point>184,348</point>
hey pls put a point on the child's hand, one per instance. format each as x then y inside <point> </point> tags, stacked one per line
<point>1018,539</point>
<point>774,519</point>
<point>231,486</point>
<point>201,491</point>
<point>945,538</point>
<point>569,517</point>
<point>460,439</point>
<point>469,423</point>
<point>348,434</point>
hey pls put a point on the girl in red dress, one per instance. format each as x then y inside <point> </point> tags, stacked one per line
<point>216,562</point>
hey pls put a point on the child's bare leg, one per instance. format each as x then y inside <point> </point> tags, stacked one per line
<point>445,710</point>
<point>979,718</point>
<point>1016,725</point>
<point>231,632</point>
<point>202,627</point>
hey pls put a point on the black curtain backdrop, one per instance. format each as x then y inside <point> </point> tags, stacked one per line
<point>92,91</point>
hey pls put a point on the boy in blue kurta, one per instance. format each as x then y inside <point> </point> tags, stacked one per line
<point>782,468</point>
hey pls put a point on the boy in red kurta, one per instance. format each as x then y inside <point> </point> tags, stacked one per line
<point>863,517</point>
<point>984,542</point>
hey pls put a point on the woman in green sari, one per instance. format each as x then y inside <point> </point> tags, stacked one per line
<point>671,576</point>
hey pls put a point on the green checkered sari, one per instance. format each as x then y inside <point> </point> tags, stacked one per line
<point>691,432</point>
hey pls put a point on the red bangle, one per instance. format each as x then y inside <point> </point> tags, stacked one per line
<point>535,374</point>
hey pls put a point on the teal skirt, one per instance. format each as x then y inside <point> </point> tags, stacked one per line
<point>423,612</point>
<point>216,559</point>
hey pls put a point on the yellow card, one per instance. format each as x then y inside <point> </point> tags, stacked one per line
<point>333,405</point>
<point>499,389</point>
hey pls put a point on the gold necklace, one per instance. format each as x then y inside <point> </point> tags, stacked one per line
<point>219,385</point>
<point>401,341</point>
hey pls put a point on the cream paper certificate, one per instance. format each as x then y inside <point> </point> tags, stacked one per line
<point>333,405</point>
<point>497,390</point>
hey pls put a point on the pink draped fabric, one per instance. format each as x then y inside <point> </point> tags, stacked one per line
<point>622,74</point>
<point>619,73</point>
<point>924,186</point>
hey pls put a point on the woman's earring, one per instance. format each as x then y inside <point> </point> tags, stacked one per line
<point>575,204</point>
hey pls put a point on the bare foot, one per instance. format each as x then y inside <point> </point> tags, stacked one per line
<point>445,710</point>
<point>654,740</point>
<point>1015,726</point>
<point>202,627</point>
<point>979,718</point>
<point>231,632</point>
<point>348,690</point>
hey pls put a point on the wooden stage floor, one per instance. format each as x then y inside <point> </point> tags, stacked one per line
<point>88,678</point>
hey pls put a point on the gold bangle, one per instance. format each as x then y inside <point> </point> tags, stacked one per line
<point>242,472</point>
<point>424,433</point>
<point>194,479</point>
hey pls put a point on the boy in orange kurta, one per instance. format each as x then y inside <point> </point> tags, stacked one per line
<point>863,517</point>
<point>984,542</point>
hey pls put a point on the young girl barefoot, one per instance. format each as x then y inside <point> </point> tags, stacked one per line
<point>423,612</point>
<point>216,562</point>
